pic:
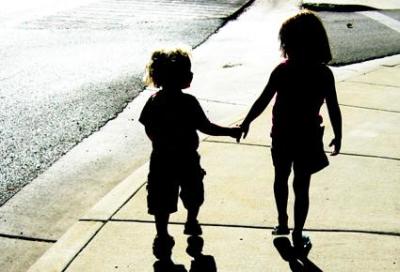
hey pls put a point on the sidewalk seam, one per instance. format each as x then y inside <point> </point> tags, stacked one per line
<point>368,108</point>
<point>127,200</point>
<point>221,102</point>
<point>83,247</point>
<point>371,83</point>
<point>357,231</point>
<point>233,143</point>
<point>26,238</point>
<point>327,152</point>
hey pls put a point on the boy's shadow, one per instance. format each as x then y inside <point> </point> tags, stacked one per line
<point>162,250</point>
<point>200,263</point>
<point>297,258</point>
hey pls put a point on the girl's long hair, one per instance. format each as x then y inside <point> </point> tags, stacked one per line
<point>303,37</point>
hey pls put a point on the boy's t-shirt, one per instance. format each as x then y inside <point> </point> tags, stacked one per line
<point>171,120</point>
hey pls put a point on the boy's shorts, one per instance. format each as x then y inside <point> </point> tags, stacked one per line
<point>169,174</point>
<point>305,155</point>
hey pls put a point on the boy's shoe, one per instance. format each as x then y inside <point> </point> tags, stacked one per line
<point>195,246</point>
<point>192,228</point>
<point>280,230</point>
<point>168,266</point>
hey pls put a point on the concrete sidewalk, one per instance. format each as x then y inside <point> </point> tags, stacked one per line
<point>354,206</point>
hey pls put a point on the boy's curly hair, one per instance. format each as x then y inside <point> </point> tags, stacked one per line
<point>168,66</point>
<point>303,37</point>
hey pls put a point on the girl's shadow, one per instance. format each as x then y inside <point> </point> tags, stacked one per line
<point>297,258</point>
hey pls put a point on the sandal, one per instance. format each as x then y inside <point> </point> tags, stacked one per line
<point>280,230</point>
<point>301,243</point>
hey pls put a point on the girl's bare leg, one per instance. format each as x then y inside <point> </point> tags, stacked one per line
<point>301,186</point>
<point>281,192</point>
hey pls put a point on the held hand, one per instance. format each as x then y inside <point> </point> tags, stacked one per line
<point>236,133</point>
<point>244,130</point>
<point>337,145</point>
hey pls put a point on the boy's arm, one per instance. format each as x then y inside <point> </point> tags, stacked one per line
<point>216,130</point>
<point>205,126</point>
<point>335,115</point>
<point>145,117</point>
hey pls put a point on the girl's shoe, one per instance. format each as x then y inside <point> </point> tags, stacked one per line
<point>302,244</point>
<point>280,230</point>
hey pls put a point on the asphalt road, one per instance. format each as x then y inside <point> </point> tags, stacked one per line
<point>355,37</point>
<point>64,75</point>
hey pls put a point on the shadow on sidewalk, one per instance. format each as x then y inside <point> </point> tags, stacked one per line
<point>297,259</point>
<point>200,263</point>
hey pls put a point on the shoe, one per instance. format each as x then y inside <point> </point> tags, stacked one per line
<point>302,244</point>
<point>162,247</point>
<point>192,228</point>
<point>168,266</point>
<point>280,230</point>
<point>194,246</point>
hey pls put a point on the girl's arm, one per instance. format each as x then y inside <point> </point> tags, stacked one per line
<point>259,106</point>
<point>149,133</point>
<point>335,115</point>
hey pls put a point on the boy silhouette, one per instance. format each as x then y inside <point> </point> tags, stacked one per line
<point>171,119</point>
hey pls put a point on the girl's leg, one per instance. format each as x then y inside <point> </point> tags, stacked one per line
<point>301,186</point>
<point>281,192</point>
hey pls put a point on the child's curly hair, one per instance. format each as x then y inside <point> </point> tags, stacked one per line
<point>303,37</point>
<point>168,66</point>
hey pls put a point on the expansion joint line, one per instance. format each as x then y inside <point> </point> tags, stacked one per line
<point>368,108</point>
<point>234,143</point>
<point>354,231</point>
<point>25,238</point>
<point>327,152</point>
<point>83,248</point>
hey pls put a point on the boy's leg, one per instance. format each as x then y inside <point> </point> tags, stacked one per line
<point>281,192</point>
<point>163,242</point>
<point>301,186</point>
<point>192,194</point>
<point>192,226</point>
<point>162,224</point>
<point>192,214</point>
